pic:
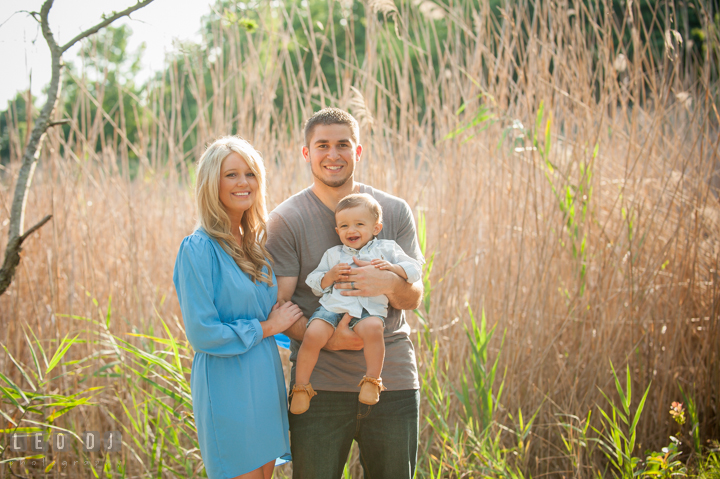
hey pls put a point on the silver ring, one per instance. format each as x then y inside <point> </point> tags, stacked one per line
<point>352,284</point>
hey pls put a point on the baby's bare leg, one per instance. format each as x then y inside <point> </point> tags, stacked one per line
<point>371,331</point>
<point>316,336</point>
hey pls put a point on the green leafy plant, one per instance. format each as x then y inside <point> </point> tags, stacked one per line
<point>473,443</point>
<point>666,463</point>
<point>709,465</point>
<point>477,395</point>
<point>573,195</point>
<point>35,405</point>
<point>150,383</point>
<point>160,418</point>
<point>694,421</point>
<point>483,118</point>
<point>578,446</point>
<point>424,314</point>
<point>619,434</point>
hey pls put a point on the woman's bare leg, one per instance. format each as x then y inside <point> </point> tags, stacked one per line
<point>263,472</point>
<point>268,469</point>
<point>316,337</point>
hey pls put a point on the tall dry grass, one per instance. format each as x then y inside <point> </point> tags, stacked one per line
<point>580,212</point>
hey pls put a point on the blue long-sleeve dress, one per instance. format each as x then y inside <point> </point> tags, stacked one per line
<point>238,390</point>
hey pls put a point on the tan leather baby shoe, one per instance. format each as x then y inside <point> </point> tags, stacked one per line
<point>301,395</point>
<point>370,390</point>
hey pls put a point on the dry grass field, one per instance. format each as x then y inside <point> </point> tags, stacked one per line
<point>573,200</point>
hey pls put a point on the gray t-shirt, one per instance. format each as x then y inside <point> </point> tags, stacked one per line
<point>300,230</point>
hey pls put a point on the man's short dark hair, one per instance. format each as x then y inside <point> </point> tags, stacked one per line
<point>332,116</point>
<point>361,199</point>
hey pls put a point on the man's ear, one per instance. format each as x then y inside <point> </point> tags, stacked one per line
<point>306,153</point>
<point>358,152</point>
<point>377,229</point>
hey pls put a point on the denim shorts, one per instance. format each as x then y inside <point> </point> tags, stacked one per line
<point>334,318</point>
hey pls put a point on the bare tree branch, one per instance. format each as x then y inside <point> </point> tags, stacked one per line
<point>12,254</point>
<point>35,227</point>
<point>64,121</point>
<point>104,23</point>
<point>32,14</point>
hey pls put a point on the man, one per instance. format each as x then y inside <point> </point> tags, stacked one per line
<point>300,230</point>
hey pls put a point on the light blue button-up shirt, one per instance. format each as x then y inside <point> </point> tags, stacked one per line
<point>332,300</point>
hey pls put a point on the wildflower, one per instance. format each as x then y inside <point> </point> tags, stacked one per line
<point>677,411</point>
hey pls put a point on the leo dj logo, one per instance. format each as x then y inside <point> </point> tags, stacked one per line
<point>92,441</point>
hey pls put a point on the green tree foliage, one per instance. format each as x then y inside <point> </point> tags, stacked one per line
<point>335,32</point>
<point>683,17</point>
<point>13,127</point>
<point>107,76</point>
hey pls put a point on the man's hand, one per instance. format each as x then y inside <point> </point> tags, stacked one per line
<point>344,337</point>
<point>367,280</point>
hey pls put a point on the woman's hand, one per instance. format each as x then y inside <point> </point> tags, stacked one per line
<point>281,318</point>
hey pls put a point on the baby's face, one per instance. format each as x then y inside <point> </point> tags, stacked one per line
<point>356,226</point>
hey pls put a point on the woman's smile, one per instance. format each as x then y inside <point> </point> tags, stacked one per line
<point>238,185</point>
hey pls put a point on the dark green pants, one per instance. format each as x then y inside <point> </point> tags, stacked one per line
<point>386,433</point>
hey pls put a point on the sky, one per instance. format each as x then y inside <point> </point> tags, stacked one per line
<point>23,49</point>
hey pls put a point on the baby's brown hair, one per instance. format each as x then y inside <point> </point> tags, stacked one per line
<point>361,199</point>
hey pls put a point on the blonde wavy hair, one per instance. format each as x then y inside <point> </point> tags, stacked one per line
<point>251,256</point>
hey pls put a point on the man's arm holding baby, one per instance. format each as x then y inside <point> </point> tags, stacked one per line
<point>342,338</point>
<point>368,280</point>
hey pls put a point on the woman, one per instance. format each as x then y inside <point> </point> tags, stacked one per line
<point>227,294</point>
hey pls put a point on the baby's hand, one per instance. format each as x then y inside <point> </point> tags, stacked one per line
<point>381,264</point>
<point>339,272</point>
